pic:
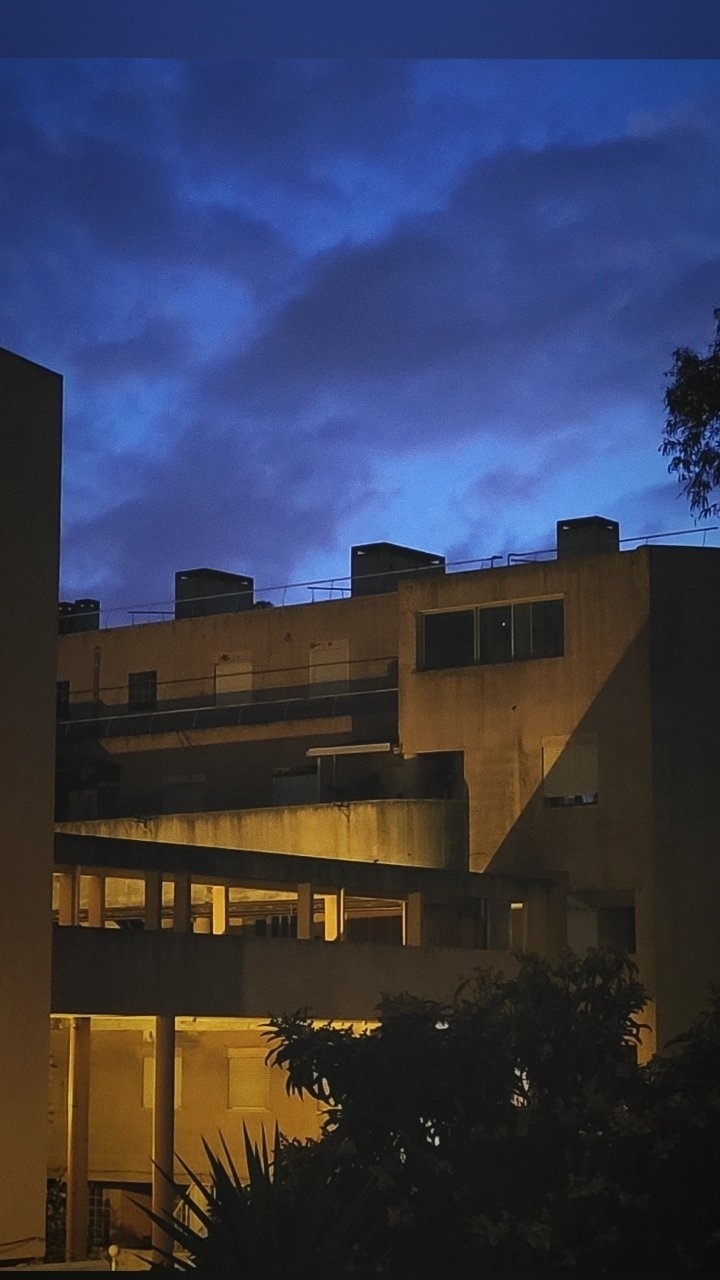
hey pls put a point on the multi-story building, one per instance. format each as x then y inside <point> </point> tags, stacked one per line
<point>264,805</point>
<point>516,755</point>
<point>30,414</point>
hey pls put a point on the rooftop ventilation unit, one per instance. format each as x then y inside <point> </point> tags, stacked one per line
<point>378,567</point>
<point>78,615</point>
<point>587,536</point>
<point>200,593</point>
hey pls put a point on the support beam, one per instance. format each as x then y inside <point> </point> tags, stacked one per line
<point>78,1102</point>
<point>163,1143</point>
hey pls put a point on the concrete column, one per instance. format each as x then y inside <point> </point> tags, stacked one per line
<point>78,1102</point>
<point>68,897</point>
<point>96,901</point>
<point>304,911</point>
<point>153,900</point>
<point>498,924</point>
<point>182,913</point>
<point>220,908</point>
<point>413,921</point>
<point>546,918</point>
<point>163,1142</point>
<point>334,915</point>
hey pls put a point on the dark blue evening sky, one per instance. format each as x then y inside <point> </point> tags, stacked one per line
<point>304,303</point>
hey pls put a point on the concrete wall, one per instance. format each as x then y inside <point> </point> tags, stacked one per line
<point>113,971</point>
<point>685,630</point>
<point>31,415</point>
<point>506,718</point>
<point>277,641</point>
<point>422,833</point>
<point>501,716</point>
<point>120,1126</point>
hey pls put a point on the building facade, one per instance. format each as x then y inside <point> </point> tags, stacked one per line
<point>31,419</point>
<point>431,770</point>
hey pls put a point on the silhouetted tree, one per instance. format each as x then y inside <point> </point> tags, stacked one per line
<point>691,437</point>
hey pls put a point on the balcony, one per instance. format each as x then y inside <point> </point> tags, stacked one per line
<point>367,687</point>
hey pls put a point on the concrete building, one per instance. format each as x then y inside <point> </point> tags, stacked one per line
<point>263,808</point>
<point>519,755</point>
<point>31,416</point>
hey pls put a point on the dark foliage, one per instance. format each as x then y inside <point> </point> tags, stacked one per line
<point>511,1130</point>
<point>691,437</point>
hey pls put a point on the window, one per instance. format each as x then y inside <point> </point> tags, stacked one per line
<point>491,634</point>
<point>570,770</point>
<point>233,678</point>
<point>248,1080</point>
<point>62,699</point>
<point>142,690</point>
<point>148,1082</point>
<point>329,667</point>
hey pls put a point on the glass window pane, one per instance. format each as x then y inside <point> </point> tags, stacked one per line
<point>547,629</point>
<point>521,631</point>
<point>448,639</point>
<point>495,634</point>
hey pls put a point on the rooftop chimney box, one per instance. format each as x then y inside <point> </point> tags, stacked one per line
<point>78,615</point>
<point>587,536</point>
<point>200,593</point>
<point>377,567</point>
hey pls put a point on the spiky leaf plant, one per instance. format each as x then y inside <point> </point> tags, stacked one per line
<point>296,1210</point>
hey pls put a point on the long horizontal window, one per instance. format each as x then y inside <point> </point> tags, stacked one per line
<point>491,634</point>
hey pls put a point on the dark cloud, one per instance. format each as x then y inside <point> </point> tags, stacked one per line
<point>286,120</point>
<point>271,286</point>
<point>218,499</point>
<point>163,345</point>
<point>542,286</point>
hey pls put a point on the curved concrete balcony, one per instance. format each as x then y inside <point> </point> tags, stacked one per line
<point>419,833</point>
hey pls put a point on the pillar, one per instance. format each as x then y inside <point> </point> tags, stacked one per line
<point>68,897</point>
<point>220,908</point>
<point>304,911</point>
<point>182,912</point>
<point>413,923</point>
<point>546,918</point>
<point>334,915</point>
<point>78,1101</point>
<point>96,902</point>
<point>153,900</point>
<point>163,1141</point>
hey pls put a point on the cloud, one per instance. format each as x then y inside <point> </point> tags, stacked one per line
<point>276,289</point>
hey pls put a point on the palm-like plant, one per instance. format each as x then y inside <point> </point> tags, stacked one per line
<point>297,1209</point>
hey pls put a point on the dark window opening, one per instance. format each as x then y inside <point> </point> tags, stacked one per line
<point>616,928</point>
<point>449,639</point>
<point>276,927</point>
<point>565,802</point>
<point>492,634</point>
<point>142,690</point>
